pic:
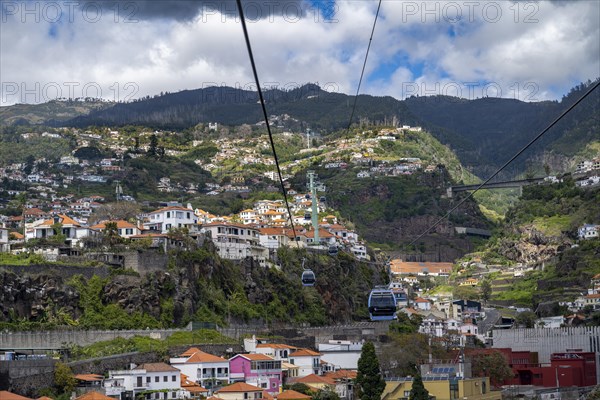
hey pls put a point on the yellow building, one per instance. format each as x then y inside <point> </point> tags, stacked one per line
<point>444,389</point>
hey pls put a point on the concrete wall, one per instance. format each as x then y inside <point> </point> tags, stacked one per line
<point>25,376</point>
<point>63,271</point>
<point>145,261</point>
<point>48,340</point>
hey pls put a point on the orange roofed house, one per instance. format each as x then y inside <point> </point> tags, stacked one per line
<point>240,391</point>
<point>210,371</point>
<point>143,378</point>
<point>67,226</point>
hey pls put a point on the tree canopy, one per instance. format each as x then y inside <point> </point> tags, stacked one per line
<point>369,382</point>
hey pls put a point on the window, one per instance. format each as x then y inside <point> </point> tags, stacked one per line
<point>168,214</point>
<point>407,393</point>
<point>173,378</point>
<point>129,231</point>
<point>147,379</point>
<point>156,379</point>
<point>188,215</point>
<point>165,378</point>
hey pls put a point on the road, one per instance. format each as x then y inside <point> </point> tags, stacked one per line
<point>491,318</point>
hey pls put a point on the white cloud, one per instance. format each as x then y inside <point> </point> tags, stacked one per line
<point>175,54</point>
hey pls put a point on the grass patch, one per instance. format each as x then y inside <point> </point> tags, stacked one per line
<point>552,226</point>
<point>146,344</point>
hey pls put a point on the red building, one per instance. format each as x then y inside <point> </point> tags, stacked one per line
<point>574,368</point>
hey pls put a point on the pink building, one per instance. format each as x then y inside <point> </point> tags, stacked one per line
<point>256,369</point>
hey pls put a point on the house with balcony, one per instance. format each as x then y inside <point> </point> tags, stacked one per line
<point>159,377</point>
<point>308,361</point>
<point>236,241</point>
<point>210,371</point>
<point>276,350</point>
<point>259,370</point>
<point>167,218</point>
<point>67,226</point>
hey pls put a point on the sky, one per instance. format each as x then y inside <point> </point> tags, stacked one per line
<point>123,50</point>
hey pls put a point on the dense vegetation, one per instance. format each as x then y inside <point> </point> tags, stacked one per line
<point>199,286</point>
<point>542,227</point>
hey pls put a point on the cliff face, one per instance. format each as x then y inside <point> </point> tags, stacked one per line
<point>196,286</point>
<point>533,246</point>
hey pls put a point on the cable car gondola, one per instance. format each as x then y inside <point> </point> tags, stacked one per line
<point>308,276</point>
<point>332,251</point>
<point>382,305</point>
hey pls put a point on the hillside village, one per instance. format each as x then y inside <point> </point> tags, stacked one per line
<point>457,306</point>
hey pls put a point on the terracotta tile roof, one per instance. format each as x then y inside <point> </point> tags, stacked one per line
<point>4,395</point>
<point>305,353</point>
<point>94,396</point>
<point>239,387</point>
<point>292,395</point>
<point>342,374</point>
<point>405,267</point>
<point>150,235</point>
<point>267,396</point>
<point>202,357</point>
<point>157,367</point>
<point>256,357</point>
<point>273,346</point>
<point>189,352</point>
<point>89,377</point>
<point>593,296</point>
<point>63,219</point>
<point>17,235</point>
<point>44,398</point>
<point>191,386</point>
<point>312,378</point>
<point>120,224</point>
<point>421,300</point>
<point>323,234</point>
<point>274,231</point>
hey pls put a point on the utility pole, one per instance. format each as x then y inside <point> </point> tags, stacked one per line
<point>315,210</point>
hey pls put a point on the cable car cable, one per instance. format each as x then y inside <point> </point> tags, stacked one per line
<point>363,68</point>
<point>264,110</point>
<point>509,161</point>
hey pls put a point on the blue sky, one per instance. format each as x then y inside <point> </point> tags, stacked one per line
<point>526,50</point>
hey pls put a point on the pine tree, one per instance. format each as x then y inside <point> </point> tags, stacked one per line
<point>369,382</point>
<point>418,391</point>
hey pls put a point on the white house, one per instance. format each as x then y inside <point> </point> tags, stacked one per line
<point>344,354</point>
<point>4,240</point>
<point>274,238</point>
<point>588,231</point>
<point>124,229</point>
<point>276,350</point>
<point>70,228</point>
<point>208,370</point>
<point>143,378</point>
<point>308,361</point>
<point>237,241</point>
<point>422,304</point>
<point>171,217</point>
